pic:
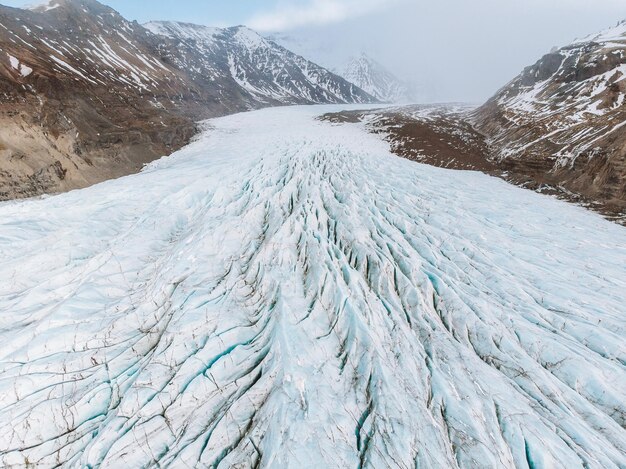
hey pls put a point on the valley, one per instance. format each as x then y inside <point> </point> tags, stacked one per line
<point>314,299</point>
<point>446,136</point>
<point>217,253</point>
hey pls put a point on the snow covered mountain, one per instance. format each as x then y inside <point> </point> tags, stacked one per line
<point>562,120</point>
<point>250,302</point>
<point>321,49</point>
<point>264,71</point>
<point>86,95</point>
<point>360,69</point>
<point>372,77</point>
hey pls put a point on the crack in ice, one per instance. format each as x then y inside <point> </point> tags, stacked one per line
<point>284,293</point>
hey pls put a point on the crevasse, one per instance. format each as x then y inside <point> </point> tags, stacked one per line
<point>286,293</point>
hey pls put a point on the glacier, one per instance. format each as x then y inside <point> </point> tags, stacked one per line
<point>285,292</point>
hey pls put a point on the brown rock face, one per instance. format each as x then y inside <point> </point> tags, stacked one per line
<point>562,121</point>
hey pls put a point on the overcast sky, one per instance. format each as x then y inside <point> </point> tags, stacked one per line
<point>457,50</point>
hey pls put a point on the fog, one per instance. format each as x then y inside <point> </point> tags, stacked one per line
<point>457,50</point>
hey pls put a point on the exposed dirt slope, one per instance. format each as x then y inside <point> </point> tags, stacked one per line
<point>82,98</point>
<point>446,136</point>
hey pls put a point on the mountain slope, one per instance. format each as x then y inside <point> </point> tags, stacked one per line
<point>87,95</point>
<point>265,308</point>
<point>562,120</point>
<point>265,71</point>
<point>372,77</point>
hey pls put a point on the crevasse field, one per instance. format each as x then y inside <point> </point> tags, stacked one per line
<point>286,293</point>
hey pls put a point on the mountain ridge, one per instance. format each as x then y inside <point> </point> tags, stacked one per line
<point>560,119</point>
<point>241,53</point>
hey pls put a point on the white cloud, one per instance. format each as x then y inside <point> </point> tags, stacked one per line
<point>315,12</point>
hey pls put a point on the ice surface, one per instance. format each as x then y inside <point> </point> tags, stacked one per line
<point>287,293</point>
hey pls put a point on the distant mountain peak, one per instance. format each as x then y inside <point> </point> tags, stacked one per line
<point>371,76</point>
<point>264,71</point>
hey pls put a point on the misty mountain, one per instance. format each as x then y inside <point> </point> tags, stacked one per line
<point>319,49</point>
<point>346,58</point>
<point>372,77</point>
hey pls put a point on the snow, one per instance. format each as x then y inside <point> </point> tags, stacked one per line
<point>372,77</point>
<point>15,63</point>
<point>24,69</point>
<point>616,33</point>
<point>287,292</point>
<point>249,38</point>
<point>173,29</point>
<point>68,67</point>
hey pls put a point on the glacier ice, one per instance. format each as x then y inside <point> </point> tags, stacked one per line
<point>286,293</point>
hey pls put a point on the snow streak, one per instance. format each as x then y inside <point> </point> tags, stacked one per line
<point>287,293</point>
